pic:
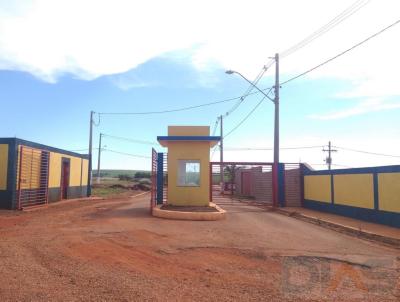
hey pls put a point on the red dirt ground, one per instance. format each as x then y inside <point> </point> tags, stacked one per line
<point>113,250</point>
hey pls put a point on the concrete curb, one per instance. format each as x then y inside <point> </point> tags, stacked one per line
<point>392,242</point>
<point>197,216</point>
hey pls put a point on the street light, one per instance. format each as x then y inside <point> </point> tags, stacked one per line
<point>275,100</point>
<point>251,83</point>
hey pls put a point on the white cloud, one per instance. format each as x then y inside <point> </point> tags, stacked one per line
<point>362,107</point>
<point>92,38</point>
<point>105,37</point>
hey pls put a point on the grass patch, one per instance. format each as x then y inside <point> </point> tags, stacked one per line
<point>108,191</point>
<point>109,187</point>
<point>116,173</point>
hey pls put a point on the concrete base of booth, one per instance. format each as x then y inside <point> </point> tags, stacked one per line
<point>199,216</point>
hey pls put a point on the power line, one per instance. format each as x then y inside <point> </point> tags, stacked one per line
<point>128,154</point>
<point>367,152</point>
<point>213,151</point>
<point>268,149</point>
<point>342,53</point>
<point>180,109</point>
<point>338,19</point>
<point>246,117</point>
<point>215,127</point>
<point>130,140</point>
<point>349,11</point>
<point>79,150</point>
<point>250,88</point>
<point>170,110</point>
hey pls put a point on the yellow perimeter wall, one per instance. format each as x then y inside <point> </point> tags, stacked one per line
<point>389,192</point>
<point>179,195</point>
<point>3,166</point>
<point>356,190</point>
<point>317,187</point>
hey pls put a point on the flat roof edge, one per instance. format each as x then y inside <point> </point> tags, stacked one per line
<point>23,142</point>
<point>188,138</point>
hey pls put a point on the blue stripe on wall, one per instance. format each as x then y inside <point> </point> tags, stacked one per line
<point>369,215</point>
<point>376,192</point>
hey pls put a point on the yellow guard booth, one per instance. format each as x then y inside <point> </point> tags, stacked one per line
<point>188,164</point>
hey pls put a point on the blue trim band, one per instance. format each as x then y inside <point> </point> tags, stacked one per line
<point>369,215</point>
<point>23,142</point>
<point>382,169</point>
<point>188,138</point>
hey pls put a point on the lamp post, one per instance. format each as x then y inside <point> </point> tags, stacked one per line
<point>275,100</point>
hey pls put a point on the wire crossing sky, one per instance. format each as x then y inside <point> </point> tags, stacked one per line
<point>142,70</point>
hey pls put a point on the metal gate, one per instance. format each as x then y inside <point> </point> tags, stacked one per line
<point>255,181</point>
<point>244,180</point>
<point>33,177</point>
<point>153,191</point>
<point>159,179</point>
<point>293,187</point>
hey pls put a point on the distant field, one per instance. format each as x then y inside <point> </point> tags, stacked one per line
<point>116,173</point>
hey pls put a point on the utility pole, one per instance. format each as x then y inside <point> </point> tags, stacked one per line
<point>221,153</point>
<point>276,132</point>
<point>275,168</point>
<point>328,160</point>
<point>89,188</point>
<point>98,160</point>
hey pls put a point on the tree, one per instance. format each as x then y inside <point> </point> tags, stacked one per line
<point>230,171</point>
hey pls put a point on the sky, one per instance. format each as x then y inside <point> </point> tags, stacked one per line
<point>61,59</point>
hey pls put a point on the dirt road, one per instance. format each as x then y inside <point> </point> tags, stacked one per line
<point>113,250</point>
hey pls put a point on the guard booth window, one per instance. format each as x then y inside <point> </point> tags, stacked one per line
<point>189,173</point>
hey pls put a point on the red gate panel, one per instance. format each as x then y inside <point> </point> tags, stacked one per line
<point>243,180</point>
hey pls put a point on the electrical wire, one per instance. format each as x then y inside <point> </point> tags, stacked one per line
<point>349,11</point>
<point>98,122</point>
<point>247,116</point>
<point>128,154</point>
<point>213,151</point>
<point>250,88</point>
<point>130,140</point>
<point>342,53</point>
<point>366,152</point>
<point>79,150</point>
<point>215,127</point>
<point>180,109</point>
<point>171,110</point>
<point>268,149</point>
